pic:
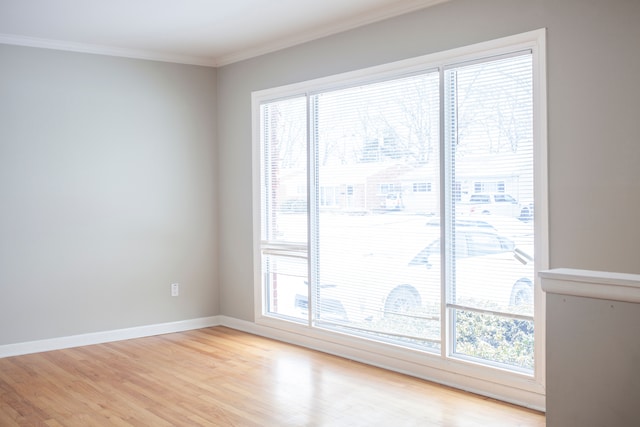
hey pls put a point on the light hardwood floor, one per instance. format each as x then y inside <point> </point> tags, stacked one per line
<point>222,377</point>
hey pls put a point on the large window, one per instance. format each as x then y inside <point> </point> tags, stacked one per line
<point>422,220</point>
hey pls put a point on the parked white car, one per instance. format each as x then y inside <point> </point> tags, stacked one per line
<point>494,204</point>
<point>488,275</point>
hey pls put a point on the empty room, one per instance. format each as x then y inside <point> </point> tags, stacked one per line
<point>319,213</point>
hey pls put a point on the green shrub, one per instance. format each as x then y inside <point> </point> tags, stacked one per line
<point>499,339</point>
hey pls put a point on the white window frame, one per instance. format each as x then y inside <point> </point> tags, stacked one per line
<point>517,388</point>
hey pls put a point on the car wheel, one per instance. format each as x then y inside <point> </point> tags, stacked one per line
<point>402,300</point>
<point>522,293</point>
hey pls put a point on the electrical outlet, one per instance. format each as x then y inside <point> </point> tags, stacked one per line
<point>175,289</point>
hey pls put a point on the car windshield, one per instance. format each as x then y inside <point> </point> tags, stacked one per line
<point>468,243</point>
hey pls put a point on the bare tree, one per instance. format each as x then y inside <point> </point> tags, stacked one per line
<point>493,102</point>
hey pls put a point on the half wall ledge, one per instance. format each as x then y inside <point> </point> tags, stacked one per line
<point>622,287</point>
<point>592,348</point>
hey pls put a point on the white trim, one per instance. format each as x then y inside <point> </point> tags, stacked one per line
<point>105,50</point>
<point>509,386</point>
<point>29,347</point>
<point>359,20</point>
<point>529,40</point>
<point>540,197</point>
<point>531,398</point>
<point>592,284</point>
<point>256,167</point>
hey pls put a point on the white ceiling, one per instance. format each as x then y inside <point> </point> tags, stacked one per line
<point>204,32</point>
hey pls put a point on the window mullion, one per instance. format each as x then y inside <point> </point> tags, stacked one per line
<point>449,138</point>
<point>312,205</point>
<point>444,202</point>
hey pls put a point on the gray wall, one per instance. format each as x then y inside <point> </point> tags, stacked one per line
<point>107,193</point>
<point>593,63</point>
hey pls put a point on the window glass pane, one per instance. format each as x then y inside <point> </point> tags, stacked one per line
<point>503,340</point>
<point>286,287</point>
<point>490,135</point>
<point>284,204</point>
<point>375,274</point>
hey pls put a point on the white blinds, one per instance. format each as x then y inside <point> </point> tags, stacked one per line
<point>354,232</point>
<point>376,144</point>
<point>284,222</point>
<point>489,138</point>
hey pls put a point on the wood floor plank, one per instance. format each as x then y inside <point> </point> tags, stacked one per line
<point>222,377</point>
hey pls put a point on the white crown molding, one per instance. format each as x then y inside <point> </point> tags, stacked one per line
<point>362,20</point>
<point>29,347</point>
<point>104,50</point>
<point>225,59</point>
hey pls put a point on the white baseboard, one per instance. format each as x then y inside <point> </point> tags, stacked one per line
<point>29,347</point>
